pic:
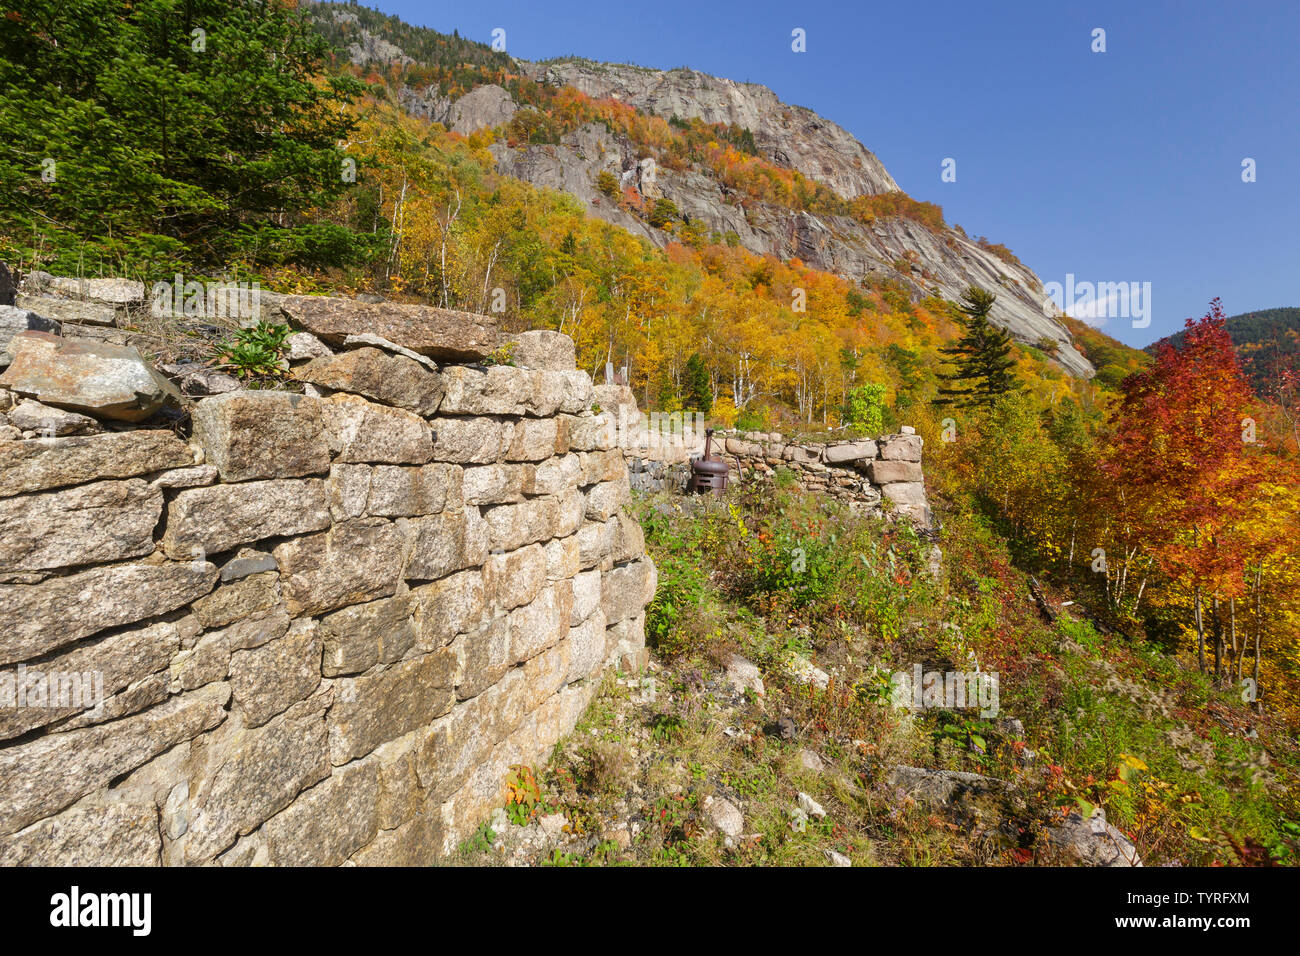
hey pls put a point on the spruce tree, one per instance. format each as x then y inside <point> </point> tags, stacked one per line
<point>699,394</point>
<point>982,356</point>
<point>197,128</point>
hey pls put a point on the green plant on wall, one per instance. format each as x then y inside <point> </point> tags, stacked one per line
<point>256,353</point>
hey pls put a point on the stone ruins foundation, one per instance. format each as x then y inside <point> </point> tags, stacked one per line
<point>325,625</point>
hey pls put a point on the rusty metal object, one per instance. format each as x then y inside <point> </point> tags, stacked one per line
<point>708,473</point>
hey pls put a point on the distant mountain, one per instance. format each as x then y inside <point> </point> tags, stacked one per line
<point>727,159</point>
<point>1261,338</point>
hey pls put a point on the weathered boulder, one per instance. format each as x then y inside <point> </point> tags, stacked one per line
<point>540,624</point>
<point>743,675</point>
<point>37,465</point>
<point>1094,841</point>
<point>481,108</point>
<point>496,484</point>
<point>95,378</point>
<point>391,379</point>
<point>544,349</point>
<point>14,320</point>
<point>243,598</point>
<point>262,434</point>
<point>439,333</point>
<point>943,788</point>
<point>513,526</point>
<point>725,816</point>
<point>49,422</point>
<point>303,346</point>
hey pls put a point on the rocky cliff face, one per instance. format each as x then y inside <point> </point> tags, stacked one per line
<point>790,136</point>
<point>925,260</point>
<point>945,262</point>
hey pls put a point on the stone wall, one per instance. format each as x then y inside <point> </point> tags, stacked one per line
<point>868,472</point>
<point>321,627</point>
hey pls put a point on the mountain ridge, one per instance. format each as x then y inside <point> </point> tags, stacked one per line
<point>847,237</point>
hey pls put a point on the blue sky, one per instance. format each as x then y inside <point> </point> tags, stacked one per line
<point>1122,166</point>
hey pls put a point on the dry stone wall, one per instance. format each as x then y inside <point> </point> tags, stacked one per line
<point>321,629</point>
<point>868,472</point>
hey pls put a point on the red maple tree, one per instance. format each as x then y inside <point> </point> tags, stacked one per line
<point>1181,455</point>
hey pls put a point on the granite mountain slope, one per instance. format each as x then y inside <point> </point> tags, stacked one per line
<point>924,259</point>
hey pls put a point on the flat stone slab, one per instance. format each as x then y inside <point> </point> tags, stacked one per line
<point>50,422</point>
<point>15,319</point>
<point>851,451</point>
<point>68,310</point>
<point>373,373</point>
<point>222,517</point>
<point>438,333</point>
<point>38,618</point>
<point>94,378</point>
<point>52,463</point>
<point>104,521</point>
<point>115,290</point>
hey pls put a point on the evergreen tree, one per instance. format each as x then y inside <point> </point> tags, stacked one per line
<point>699,394</point>
<point>982,356</point>
<point>198,128</point>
